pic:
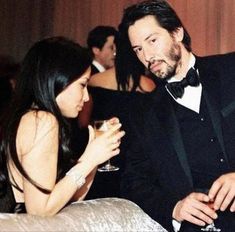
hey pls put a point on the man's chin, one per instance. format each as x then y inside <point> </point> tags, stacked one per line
<point>164,75</point>
<point>159,75</point>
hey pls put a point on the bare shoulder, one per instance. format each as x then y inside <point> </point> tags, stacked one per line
<point>147,84</point>
<point>37,119</point>
<point>34,127</point>
<point>106,79</point>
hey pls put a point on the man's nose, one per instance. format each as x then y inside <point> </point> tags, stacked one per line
<point>148,54</point>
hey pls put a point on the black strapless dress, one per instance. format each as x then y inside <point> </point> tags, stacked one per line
<point>107,104</point>
<point>8,203</point>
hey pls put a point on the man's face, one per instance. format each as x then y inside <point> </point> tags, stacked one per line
<point>155,47</point>
<point>106,55</point>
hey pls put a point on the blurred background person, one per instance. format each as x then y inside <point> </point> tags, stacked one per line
<point>100,42</point>
<point>9,70</point>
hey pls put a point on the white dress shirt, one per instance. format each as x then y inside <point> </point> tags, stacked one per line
<point>100,67</point>
<point>191,98</point>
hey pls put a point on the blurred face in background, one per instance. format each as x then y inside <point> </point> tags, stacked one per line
<point>106,55</point>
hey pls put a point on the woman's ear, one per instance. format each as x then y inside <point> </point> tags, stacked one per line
<point>95,50</point>
<point>178,34</point>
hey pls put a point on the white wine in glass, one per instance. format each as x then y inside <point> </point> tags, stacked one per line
<point>100,127</point>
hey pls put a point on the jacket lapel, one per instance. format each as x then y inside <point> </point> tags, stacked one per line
<point>211,90</point>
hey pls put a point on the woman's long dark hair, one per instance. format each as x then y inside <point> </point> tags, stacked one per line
<point>48,68</point>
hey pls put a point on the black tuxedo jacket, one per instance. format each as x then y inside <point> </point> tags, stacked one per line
<point>157,174</point>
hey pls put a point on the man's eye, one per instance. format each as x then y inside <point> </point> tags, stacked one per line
<point>153,40</point>
<point>137,50</point>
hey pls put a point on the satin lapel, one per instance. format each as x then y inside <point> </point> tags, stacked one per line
<point>170,123</point>
<point>211,90</point>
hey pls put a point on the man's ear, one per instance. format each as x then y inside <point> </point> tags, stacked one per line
<point>178,34</point>
<point>95,50</point>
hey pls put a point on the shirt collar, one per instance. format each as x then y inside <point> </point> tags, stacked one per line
<point>192,95</point>
<point>100,67</point>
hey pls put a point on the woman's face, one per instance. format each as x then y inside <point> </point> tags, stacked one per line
<point>72,98</point>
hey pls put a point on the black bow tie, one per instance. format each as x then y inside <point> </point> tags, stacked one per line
<point>177,88</point>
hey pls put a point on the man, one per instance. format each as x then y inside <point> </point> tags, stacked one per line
<point>100,41</point>
<point>180,167</point>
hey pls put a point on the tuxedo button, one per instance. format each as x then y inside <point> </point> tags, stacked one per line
<point>213,139</point>
<point>221,160</point>
<point>202,119</point>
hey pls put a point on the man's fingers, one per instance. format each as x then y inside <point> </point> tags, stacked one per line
<point>214,190</point>
<point>197,216</point>
<point>232,208</point>
<point>194,220</point>
<point>229,194</point>
<point>203,211</point>
<point>202,197</point>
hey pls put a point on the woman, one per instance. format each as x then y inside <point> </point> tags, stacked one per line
<point>36,157</point>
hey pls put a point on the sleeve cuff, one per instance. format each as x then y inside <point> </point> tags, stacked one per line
<point>176,225</point>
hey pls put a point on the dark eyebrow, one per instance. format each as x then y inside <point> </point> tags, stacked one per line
<point>150,36</point>
<point>145,39</point>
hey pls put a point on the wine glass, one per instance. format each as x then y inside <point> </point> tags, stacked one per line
<point>100,127</point>
<point>210,227</point>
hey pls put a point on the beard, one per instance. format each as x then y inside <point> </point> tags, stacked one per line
<point>173,55</point>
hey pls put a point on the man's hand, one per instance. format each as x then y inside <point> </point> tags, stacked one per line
<point>194,209</point>
<point>223,192</point>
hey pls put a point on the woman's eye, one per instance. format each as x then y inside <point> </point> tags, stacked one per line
<point>83,85</point>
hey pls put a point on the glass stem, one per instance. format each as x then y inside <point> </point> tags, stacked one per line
<point>108,162</point>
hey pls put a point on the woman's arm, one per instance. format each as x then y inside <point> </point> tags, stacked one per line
<point>37,144</point>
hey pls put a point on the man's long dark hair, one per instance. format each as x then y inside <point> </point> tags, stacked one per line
<point>164,15</point>
<point>48,68</point>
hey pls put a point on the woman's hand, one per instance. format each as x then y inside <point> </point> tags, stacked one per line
<point>104,146</point>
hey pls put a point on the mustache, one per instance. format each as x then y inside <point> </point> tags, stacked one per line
<point>153,61</point>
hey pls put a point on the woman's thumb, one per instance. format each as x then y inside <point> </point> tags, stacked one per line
<point>91,133</point>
